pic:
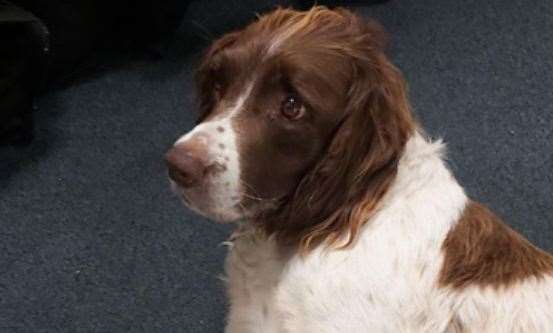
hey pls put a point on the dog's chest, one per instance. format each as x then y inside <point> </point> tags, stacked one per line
<point>339,291</point>
<point>253,269</point>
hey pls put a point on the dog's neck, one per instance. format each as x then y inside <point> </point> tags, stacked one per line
<point>422,179</point>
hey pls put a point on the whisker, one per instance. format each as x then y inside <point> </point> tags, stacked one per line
<point>244,211</point>
<point>246,184</point>
<point>249,196</point>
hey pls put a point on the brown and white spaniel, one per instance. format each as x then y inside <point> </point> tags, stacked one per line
<point>348,217</point>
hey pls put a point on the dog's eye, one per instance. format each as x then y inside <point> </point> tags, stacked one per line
<point>292,108</point>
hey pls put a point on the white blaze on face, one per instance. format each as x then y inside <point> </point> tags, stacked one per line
<point>220,195</point>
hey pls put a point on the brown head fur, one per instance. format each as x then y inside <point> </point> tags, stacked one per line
<point>342,190</point>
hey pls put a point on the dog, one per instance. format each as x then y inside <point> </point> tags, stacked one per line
<point>348,218</point>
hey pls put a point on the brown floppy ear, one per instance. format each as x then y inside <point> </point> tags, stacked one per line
<point>207,73</point>
<point>342,191</point>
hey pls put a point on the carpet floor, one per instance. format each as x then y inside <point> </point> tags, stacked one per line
<point>92,239</point>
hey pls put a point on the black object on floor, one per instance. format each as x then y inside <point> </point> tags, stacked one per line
<point>61,39</point>
<point>24,44</point>
<point>92,240</point>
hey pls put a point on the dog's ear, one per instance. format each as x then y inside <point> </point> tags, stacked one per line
<point>342,191</point>
<point>206,75</point>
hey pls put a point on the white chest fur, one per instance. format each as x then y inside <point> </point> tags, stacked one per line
<point>385,282</point>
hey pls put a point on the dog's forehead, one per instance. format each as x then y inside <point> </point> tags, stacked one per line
<point>254,48</point>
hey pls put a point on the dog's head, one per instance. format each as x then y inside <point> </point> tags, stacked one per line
<point>302,121</point>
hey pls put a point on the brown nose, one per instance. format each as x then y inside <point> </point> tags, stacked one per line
<point>184,168</point>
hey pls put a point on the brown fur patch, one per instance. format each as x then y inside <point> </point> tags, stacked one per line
<point>344,187</point>
<point>481,250</point>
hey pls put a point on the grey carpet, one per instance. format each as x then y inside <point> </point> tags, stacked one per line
<point>92,240</point>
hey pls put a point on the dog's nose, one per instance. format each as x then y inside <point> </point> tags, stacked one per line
<point>184,168</point>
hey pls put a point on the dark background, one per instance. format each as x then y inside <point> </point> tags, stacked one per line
<point>92,240</point>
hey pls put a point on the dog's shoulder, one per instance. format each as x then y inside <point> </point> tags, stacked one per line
<point>482,250</point>
<point>495,273</point>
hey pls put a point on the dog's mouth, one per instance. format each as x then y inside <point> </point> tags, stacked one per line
<point>206,202</point>
<point>185,199</point>
<point>185,196</point>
